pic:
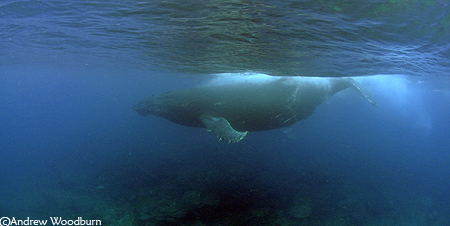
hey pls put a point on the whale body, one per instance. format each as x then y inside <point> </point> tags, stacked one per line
<point>231,111</point>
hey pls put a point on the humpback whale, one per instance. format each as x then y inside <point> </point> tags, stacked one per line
<point>230,111</point>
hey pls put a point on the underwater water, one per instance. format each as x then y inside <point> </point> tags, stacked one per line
<point>72,147</point>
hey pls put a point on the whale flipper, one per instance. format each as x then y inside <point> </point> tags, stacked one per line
<point>222,128</point>
<point>364,91</point>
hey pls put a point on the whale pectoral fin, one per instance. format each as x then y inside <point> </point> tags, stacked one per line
<point>364,91</point>
<point>222,128</point>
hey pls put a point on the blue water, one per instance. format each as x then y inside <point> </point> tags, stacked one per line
<point>71,146</point>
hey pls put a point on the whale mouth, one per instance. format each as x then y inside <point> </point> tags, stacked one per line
<point>162,105</point>
<point>142,108</point>
<point>156,106</point>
